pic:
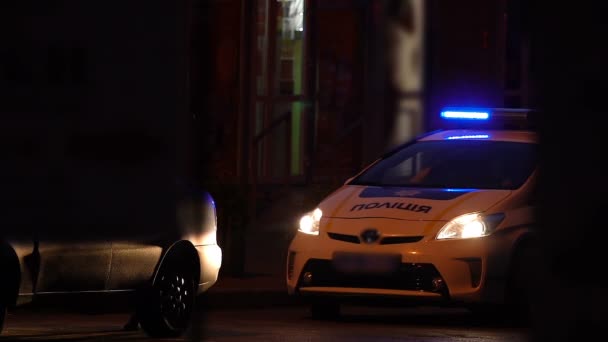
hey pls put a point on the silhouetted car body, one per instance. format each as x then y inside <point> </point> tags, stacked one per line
<point>166,270</point>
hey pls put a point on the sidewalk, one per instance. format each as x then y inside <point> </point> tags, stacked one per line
<point>262,283</point>
<point>250,291</point>
<point>264,254</point>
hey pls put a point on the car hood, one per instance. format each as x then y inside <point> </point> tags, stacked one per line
<point>355,201</point>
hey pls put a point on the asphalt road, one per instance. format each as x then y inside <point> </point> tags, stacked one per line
<point>271,324</point>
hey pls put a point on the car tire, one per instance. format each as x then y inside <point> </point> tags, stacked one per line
<point>325,310</point>
<point>520,285</point>
<point>165,308</point>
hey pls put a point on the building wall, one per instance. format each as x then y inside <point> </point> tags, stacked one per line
<point>340,69</point>
<point>466,55</point>
<point>375,73</point>
<point>214,77</point>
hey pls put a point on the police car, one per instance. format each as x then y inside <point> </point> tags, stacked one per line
<point>445,219</point>
<point>161,275</point>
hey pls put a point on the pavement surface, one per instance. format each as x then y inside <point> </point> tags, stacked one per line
<point>250,291</point>
<point>261,283</point>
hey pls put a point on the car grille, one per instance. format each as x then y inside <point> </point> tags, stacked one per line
<point>389,240</point>
<point>344,237</point>
<point>415,277</point>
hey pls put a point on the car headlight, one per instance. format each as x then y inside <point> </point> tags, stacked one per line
<point>309,223</point>
<point>468,226</point>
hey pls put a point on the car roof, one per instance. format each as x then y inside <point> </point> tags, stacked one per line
<point>523,136</point>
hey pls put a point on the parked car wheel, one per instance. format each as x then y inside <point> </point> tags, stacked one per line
<point>165,310</point>
<point>518,307</point>
<point>520,285</point>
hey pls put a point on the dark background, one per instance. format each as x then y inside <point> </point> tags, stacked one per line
<point>96,134</point>
<point>97,131</point>
<point>570,68</point>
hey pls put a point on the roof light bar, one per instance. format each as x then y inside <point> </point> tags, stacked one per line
<point>467,115</point>
<point>495,117</point>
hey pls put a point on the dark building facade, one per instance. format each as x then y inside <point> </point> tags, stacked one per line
<point>95,126</point>
<point>309,91</point>
<point>298,95</point>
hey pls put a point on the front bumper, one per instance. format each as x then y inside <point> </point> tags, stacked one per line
<point>210,257</point>
<point>428,271</point>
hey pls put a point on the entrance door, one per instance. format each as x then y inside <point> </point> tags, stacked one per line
<point>279,92</point>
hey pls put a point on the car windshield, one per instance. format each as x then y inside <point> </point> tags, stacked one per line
<point>472,164</point>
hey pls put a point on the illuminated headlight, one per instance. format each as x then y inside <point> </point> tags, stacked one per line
<point>309,223</point>
<point>468,226</point>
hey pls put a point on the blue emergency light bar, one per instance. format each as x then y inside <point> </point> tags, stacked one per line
<point>470,136</point>
<point>496,117</point>
<point>465,115</point>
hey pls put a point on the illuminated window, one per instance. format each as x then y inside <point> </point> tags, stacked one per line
<point>279,87</point>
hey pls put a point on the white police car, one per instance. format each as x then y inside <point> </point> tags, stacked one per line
<point>445,219</point>
<point>164,273</point>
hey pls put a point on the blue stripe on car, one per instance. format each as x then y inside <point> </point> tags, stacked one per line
<point>435,194</point>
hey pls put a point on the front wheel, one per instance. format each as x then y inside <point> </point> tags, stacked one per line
<point>165,310</point>
<point>521,284</point>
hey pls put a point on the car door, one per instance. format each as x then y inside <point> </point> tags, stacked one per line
<point>133,262</point>
<point>72,265</point>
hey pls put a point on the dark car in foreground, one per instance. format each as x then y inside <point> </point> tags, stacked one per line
<point>164,272</point>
